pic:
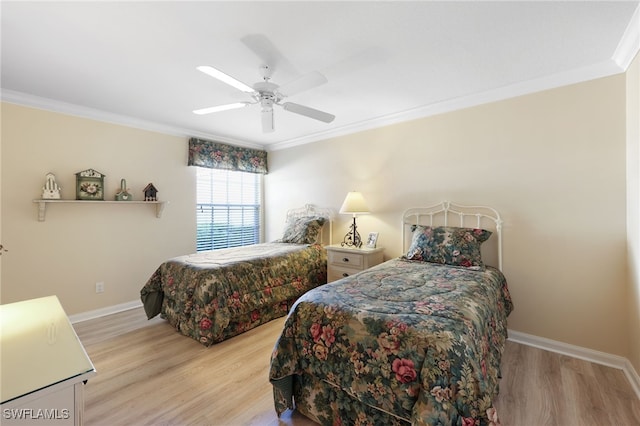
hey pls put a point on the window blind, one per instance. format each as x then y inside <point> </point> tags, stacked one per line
<point>228,208</point>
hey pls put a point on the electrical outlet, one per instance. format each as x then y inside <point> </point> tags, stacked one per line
<point>100,287</point>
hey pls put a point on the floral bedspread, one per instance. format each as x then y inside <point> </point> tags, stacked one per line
<point>211,296</point>
<point>404,342</point>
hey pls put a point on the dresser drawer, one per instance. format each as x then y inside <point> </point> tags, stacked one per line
<point>337,272</point>
<point>353,260</point>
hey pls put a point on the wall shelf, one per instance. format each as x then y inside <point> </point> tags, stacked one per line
<point>42,205</point>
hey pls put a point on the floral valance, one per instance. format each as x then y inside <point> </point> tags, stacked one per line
<point>216,155</point>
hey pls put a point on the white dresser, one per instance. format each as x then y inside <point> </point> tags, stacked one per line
<point>43,365</point>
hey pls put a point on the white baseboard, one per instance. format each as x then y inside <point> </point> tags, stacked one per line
<point>85,316</point>
<point>586,354</point>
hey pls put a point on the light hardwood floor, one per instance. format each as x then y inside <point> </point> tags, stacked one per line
<point>148,374</point>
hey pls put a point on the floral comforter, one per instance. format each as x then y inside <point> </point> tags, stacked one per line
<point>211,296</point>
<point>404,342</point>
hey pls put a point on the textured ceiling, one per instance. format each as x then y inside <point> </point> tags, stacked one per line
<point>135,62</point>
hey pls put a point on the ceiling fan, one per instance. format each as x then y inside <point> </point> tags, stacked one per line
<point>268,94</point>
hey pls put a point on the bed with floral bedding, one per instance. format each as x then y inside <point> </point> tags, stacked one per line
<point>415,340</point>
<point>213,295</point>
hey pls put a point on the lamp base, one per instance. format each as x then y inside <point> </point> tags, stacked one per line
<point>352,238</point>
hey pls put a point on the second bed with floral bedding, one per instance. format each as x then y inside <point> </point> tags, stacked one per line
<point>213,295</point>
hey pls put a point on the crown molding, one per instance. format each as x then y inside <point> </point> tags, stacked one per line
<point>578,75</point>
<point>32,101</point>
<point>624,54</point>
<point>629,43</point>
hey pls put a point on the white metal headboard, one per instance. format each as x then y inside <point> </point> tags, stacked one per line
<point>310,210</point>
<point>449,214</point>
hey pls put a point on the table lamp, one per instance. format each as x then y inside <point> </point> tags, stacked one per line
<point>353,204</point>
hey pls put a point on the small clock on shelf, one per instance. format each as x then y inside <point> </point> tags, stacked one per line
<point>89,185</point>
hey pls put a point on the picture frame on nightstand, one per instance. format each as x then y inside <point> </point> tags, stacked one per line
<point>372,240</point>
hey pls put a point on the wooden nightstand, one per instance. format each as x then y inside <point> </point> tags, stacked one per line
<point>345,261</point>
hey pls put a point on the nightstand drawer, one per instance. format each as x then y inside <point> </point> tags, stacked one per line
<point>353,260</point>
<point>343,261</point>
<point>337,272</point>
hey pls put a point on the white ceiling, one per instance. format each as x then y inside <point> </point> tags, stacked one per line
<point>135,62</point>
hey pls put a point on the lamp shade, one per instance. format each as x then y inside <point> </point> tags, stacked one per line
<point>354,204</point>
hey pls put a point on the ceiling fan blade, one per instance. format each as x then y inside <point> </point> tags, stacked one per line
<point>225,78</point>
<point>267,120</point>
<point>219,108</point>
<point>308,112</point>
<point>264,49</point>
<point>306,82</point>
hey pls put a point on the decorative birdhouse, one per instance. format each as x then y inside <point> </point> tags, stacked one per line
<point>89,185</point>
<point>123,194</point>
<point>150,193</point>
<point>50,190</point>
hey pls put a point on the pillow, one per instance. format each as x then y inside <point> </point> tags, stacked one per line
<point>448,245</point>
<point>304,230</point>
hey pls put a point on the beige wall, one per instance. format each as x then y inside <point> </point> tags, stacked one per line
<point>552,163</point>
<point>633,207</point>
<point>79,245</point>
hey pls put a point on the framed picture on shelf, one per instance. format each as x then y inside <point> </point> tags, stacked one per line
<point>89,185</point>
<point>372,239</point>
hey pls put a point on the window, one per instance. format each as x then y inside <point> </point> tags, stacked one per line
<point>228,208</point>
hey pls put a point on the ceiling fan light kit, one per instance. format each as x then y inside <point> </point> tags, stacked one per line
<point>268,94</point>
<point>267,120</point>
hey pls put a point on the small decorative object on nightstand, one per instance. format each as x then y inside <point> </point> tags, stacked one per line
<point>89,185</point>
<point>51,190</point>
<point>123,194</point>
<point>372,240</point>
<point>345,261</point>
<point>150,193</point>
<point>353,204</point>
